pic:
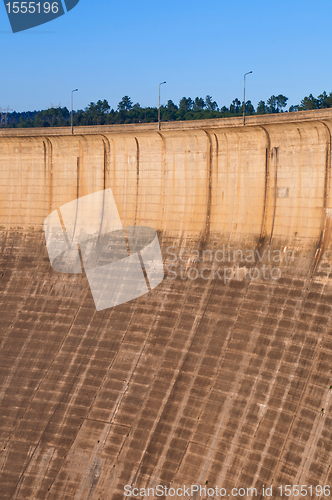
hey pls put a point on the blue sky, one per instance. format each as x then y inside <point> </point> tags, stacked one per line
<point>109,49</point>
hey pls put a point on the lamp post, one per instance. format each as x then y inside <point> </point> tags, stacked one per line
<point>71,115</point>
<point>244,97</point>
<point>159,106</point>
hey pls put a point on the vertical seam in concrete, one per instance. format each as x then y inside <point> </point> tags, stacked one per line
<point>20,192</point>
<point>267,179</point>
<point>217,146</point>
<point>19,203</point>
<point>104,175</point>
<point>107,155</point>
<point>145,274</point>
<point>137,179</point>
<point>206,232</point>
<point>44,155</point>
<point>163,180</point>
<point>64,230</point>
<point>78,178</point>
<point>77,196</point>
<point>275,151</point>
<point>235,191</point>
<point>327,165</point>
<point>48,161</point>
<point>323,240</point>
<point>101,222</point>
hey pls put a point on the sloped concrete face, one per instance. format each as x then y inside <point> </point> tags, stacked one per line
<point>221,374</point>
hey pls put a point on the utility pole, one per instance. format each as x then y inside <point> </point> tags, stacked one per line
<point>71,115</point>
<point>244,97</point>
<point>159,106</point>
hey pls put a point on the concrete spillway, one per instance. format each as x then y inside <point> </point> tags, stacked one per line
<point>218,376</point>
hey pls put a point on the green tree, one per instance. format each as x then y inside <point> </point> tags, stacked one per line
<point>185,104</point>
<point>281,102</point>
<point>272,104</point>
<point>250,110</point>
<point>22,122</point>
<point>325,101</point>
<point>171,106</point>
<point>199,104</point>
<point>276,103</point>
<point>261,108</point>
<point>210,104</point>
<point>38,120</point>
<point>309,102</point>
<point>224,110</point>
<point>96,113</point>
<point>125,104</point>
<point>236,106</point>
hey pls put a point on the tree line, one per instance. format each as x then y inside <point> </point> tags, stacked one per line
<point>101,113</point>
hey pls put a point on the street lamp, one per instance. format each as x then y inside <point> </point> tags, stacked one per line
<point>159,106</point>
<point>244,97</point>
<point>71,116</point>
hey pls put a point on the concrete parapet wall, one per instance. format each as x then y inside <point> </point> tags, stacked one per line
<point>269,178</point>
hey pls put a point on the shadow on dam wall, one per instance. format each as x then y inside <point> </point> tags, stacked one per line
<point>221,375</point>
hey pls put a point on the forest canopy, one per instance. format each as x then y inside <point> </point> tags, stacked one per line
<point>198,108</point>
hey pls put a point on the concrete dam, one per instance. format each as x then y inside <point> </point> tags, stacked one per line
<point>218,381</point>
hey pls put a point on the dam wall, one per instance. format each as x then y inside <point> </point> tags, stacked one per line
<point>262,180</point>
<point>209,379</point>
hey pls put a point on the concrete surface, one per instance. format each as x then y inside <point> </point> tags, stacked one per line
<point>209,381</point>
